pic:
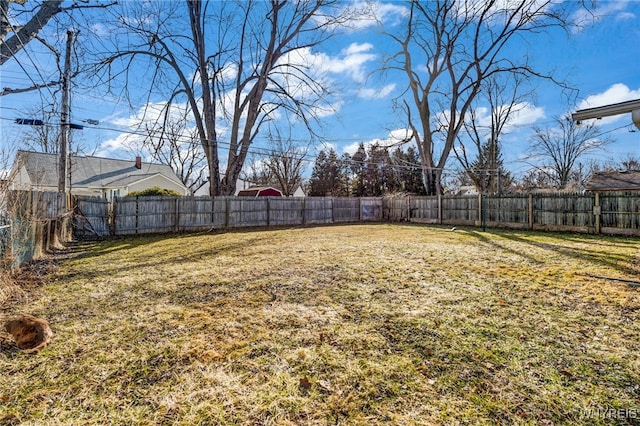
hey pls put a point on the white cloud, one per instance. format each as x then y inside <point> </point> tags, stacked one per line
<point>133,136</point>
<point>383,92</point>
<point>368,14</point>
<point>395,138</point>
<point>583,17</point>
<point>522,114</point>
<point>525,114</point>
<point>616,93</point>
<point>623,16</point>
<point>351,63</point>
<point>327,110</point>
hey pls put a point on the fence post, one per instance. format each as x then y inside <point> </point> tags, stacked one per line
<point>137,213</point>
<point>213,211</point>
<point>227,202</point>
<point>333,210</point>
<point>268,211</point>
<point>408,208</point>
<point>304,210</point>
<point>597,212</point>
<point>530,211</point>
<point>440,209</point>
<point>176,218</point>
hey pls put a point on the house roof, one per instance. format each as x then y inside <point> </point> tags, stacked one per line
<point>90,172</point>
<point>255,191</point>
<point>614,181</point>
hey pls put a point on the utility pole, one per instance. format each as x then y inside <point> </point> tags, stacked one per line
<point>63,163</point>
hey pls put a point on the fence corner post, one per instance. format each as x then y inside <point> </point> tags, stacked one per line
<point>597,212</point>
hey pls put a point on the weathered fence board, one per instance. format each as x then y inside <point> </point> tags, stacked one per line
<point>247,212</point>
<point>370,209</point>
<point>92,217</point>
<point>318,210</point>
<point>125,214</point>
<point>36,204</point>
<point>348,209</point>
<point>620,213</point>
<point>570,212</point>
<point>286,211</point>
<point>424,209</point>
<point>510,210</point>
<point>460,210</point>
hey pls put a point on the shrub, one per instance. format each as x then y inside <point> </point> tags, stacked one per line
<point>156,190</point>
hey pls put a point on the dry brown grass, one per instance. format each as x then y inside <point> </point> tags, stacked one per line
<point>359,324</point>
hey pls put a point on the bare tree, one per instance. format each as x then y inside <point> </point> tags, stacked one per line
<point>286,164</point>
<point>37,15</point>
<point>479,149</point>
<point>256,171</point>
<point>238,66</point>
<point>23,34</point>
<point>630,162</point>
<point>178,146</point>
<point>282,166</point>
<point>45,137</point>
<point>561,147</point>
<point>447,51</point>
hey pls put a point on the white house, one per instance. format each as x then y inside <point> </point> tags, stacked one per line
<point>241,184</point>
<point>93,176</point>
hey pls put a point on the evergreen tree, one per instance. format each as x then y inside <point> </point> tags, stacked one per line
<point>408,172</point>
<point>380,175</point>
<point>358,166</point>
<point>328,177</point>
<point>487,171</point>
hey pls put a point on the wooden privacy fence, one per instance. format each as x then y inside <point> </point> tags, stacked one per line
<point>141,215</point>
<point>585,213</point>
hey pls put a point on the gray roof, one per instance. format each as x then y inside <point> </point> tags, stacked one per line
<point>90,172</point>
<point>614,181</point>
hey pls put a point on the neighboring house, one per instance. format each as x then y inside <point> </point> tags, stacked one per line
<point>626,181</point>
<point>240,185</point>
<point>260,191</point>
<point>93,176</point>
<point>299,192</point>
<point>466,190</point>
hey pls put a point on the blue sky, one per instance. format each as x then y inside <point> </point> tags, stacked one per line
<point>601,60</point>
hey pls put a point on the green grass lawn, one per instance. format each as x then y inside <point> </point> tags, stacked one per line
<point>351,325</point>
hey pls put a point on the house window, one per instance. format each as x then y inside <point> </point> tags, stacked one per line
<point>115,193</point>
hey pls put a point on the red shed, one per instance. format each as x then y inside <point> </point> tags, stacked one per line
<point>260,191</point>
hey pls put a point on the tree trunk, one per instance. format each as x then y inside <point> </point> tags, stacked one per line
<point>431,180</point>
<point>28,31</point>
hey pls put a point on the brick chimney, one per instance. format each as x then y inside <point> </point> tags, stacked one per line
<point>138,162</point>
